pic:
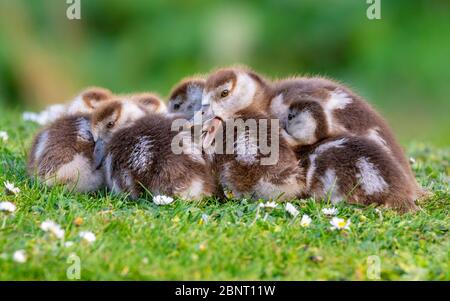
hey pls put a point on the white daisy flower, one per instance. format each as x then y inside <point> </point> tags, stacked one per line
<point>59,233</point>
<point>380,214</point>
<point>47,225</point>
<point>271,205</point>
<point>305,221</point>
<point>68,244</point>
<point>162,200</point>
<point>291,209</point>
<point>7,206</point>
<point>88,236</point>
<point>205,218</point>
<point>11,189</point>
<point>339,223</point>
<point>330,211</point>
<point>4,136</point>
<point>52,227</point>
<point>20,256</point>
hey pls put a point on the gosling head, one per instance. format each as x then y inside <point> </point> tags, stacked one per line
<point>306,122</point>
<point>149,102</point>
<point>113,116</point>
<point>186,96</point>
<point>89,99</point>
<point>228,91</point>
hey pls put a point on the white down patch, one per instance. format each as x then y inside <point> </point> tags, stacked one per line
<point>246,147</point>
<point>330,186</point>
<point>369,177</point>
<point>303,128</point>
<point>141,156</point>
<point>311,170</point>
<point>78,172</point>
<point>332,144</point>
<point>338,100</point>
<point>78,106</point>
<point>108,170</point>
<point>41,145</point>
<point>84,129</point>
<point>278,107</point>
<point>245,90</point>
<point>374,135</point>
<point>319,150</point>
<point>194,191</point>
<point>131,111</point>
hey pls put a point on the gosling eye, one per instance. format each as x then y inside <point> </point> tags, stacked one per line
<point>291,116</point>
<point>110,125</point>
<point>176,106</point>
<point>224,93</point>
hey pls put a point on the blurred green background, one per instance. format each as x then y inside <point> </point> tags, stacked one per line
<point>400,63</point>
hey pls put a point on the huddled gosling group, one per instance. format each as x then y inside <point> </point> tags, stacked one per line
<point>331,144</point>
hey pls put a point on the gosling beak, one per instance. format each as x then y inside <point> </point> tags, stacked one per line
<point>99,153</point>
<point>94,135</point>
<point>209,130</point>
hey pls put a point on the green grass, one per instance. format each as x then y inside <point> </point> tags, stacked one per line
<point>139,240</point>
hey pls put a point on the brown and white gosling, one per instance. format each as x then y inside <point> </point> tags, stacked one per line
<point>186,96</point>
<point>122,111</point>
<point>247,169</point>
<point>144,157</point>
<point>357,170</point>
<point>62,152</point>
<point>88,100</point>
<point>317,108</point>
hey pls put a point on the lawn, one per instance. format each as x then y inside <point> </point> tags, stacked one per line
<point>209,240</point>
